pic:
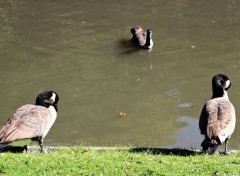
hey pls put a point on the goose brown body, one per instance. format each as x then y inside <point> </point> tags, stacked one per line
<point>139,35</point>
<point>30,122</point>
<point>141,38</point>
<point>217,120</point>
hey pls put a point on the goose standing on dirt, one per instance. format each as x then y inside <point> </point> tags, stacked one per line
<point>141,38</point>
<point>30,122</point>
<point>217,119</point>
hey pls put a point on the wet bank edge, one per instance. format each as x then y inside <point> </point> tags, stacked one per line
<point>147,150</point>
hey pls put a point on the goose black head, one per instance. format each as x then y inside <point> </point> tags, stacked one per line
<point>220,85</point>
<point>48,98</point>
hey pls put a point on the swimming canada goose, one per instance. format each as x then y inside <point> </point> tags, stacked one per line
<point>30,122</point>
<point>141,38</point>
<point>217,119</point>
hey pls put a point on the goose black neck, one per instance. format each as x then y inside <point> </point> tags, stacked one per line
<point>218,83</point>
<point>218,92</point>
<point>148,39</point>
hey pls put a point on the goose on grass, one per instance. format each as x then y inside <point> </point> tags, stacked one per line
<point>218,118</point>
<point>30,122</point>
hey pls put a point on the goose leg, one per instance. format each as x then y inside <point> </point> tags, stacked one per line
<point>25,148</point>
<point>226,142</point>
<point>40,142</point>
<point>205,149</point>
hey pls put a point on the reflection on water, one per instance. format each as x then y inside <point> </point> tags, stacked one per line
<point>188,136</point>
<point>80,50</point>
<point>185,105</point>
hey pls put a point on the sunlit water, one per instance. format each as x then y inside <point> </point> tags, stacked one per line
<point>80,49</point>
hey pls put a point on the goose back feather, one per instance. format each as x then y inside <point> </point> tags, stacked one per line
<point>29,121</point>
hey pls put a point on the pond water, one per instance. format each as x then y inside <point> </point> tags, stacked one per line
<point>80,50</point>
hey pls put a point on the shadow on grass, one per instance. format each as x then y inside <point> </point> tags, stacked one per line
<point>166,151</point>
<point>150,151</point>
<point>30,149</point>
<point>12,149</point>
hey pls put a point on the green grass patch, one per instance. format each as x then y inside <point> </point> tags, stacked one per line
<point>115,161</point>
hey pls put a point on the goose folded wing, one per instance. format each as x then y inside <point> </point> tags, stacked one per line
<point>226,120</point>
<point>26,123</point>
<point>221,119</point>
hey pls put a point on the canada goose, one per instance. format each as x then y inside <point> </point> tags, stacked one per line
<point>141,38</point>
<point>217,119</point>
<point>30,122</point>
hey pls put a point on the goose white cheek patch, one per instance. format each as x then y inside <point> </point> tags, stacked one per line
<point>53,98</point>
<point>227,83</point>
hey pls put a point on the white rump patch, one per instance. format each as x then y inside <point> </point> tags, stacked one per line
<point>223,137</point>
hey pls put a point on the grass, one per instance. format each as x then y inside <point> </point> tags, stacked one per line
<point>118,161</point>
